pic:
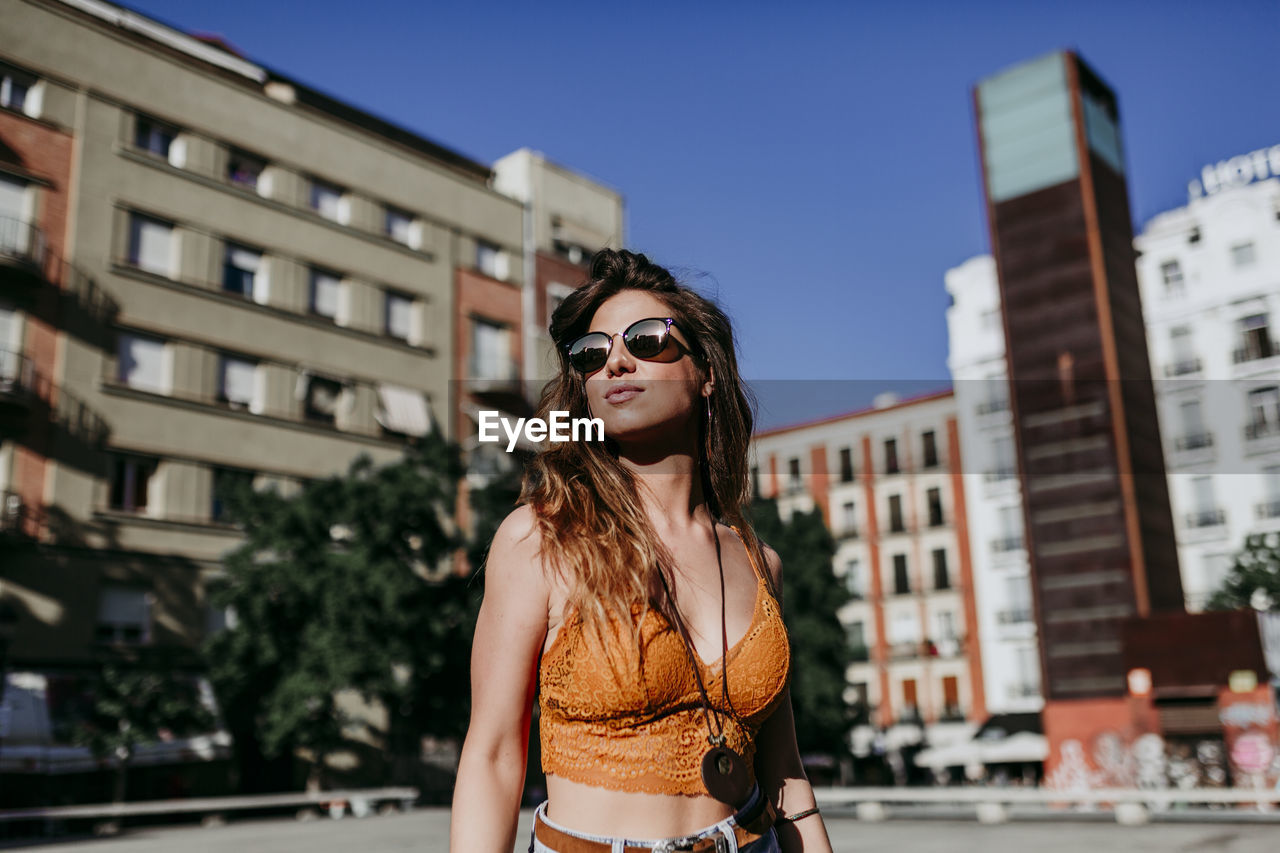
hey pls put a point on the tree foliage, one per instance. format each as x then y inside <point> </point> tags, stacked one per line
<point>812,596</point>
<point>134,704</point>
<point>1254,577</point>
<point>337,588</point>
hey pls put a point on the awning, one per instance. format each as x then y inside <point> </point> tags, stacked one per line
<point>1019,748</point>
<point>403,410</point>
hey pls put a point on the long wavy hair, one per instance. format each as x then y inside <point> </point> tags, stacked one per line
<point>586,501</point>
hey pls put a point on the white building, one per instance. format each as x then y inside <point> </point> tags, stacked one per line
<point>1209,274</point>
<point>1006,627</point>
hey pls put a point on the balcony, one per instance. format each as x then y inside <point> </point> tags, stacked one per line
<point>991,407</point>
<point>1014,616</point>
<point>1261,429</point>
<point>1182,368</point>
<point>952,714</point>
<point>859,653</point>
<point>1006,544</point>
<point>17,381</point>
<point>1193,441</point>
<point>998,474</point>
<point>1206,518</point>
<point>17,518</point>
<point>1022,691</point>
<point>22,249</point>
<point>1255,351</point>
<point>847,533</point>
<point>1269,509</point>
<point>906,651</point>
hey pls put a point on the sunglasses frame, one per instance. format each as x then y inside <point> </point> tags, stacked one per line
<point>568,348</point>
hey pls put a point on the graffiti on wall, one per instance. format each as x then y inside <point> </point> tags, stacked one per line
<point>1152,762</point>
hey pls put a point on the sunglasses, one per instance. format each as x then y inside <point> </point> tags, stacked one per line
<point>645,339</point>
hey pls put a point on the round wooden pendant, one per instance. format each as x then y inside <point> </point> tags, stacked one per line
<point>725,775</point>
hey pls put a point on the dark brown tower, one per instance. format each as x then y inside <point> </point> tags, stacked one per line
<point>1099,529</point>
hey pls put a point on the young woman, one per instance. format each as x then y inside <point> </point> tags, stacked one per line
<point>629,586</point>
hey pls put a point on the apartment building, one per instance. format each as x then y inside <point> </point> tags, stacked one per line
<point>1209,274</point>
<point>888,481</point>
<point>256,282</point>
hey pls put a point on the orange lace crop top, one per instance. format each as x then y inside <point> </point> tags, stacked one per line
<point>636,723</point>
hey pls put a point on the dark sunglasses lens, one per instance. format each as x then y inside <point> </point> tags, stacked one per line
<point>589,352</point>
<point>647,338</point>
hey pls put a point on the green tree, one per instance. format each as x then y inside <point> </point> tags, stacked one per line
<point>339,588</point>
<point>1254,577</point>
<point>812,595</point>
<point>134,704</point>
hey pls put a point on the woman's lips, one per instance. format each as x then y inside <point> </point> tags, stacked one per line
<point>621,395</point>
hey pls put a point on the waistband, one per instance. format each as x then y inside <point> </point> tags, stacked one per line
<point>748,824</point>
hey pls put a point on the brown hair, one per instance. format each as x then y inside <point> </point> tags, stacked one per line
<point>586,501</point>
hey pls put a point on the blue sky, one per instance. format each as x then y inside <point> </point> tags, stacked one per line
<point>814,167</point>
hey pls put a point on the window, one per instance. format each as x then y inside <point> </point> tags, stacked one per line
<point>1257,338</point>
<point>1171,275</point>
<point>896,524</point>
<point>321,401</point>
<point>997,395</point>
<point>910,706</point>
<point>930,449</point>
<point>849,518</point>
<point>130,479</point>
<point>1018,601</point>
<point>794,482</point>
<point>846,464</point>
<point>755,481</point>
<point>904,627</point>
<point>15,216</point>
<point>1264,412</point>
<point>329,200</point>
<point>1010,528</point>
<point>238,383</point>
<point>935,507</point>
<point>326,293</point>
<point>944,625</point>
<point>245,169</point>
<point>1194,236</point>
<point>857,634</point>
<point>491,351</point>
<point>891,456</point>
<point>401,227</point>
<point>240,269</point>
<point>398,316</point>
<point>991,319</point>
<point>1243,255</point>
<point>491,260</point>
<point>901,580</point>
<point>15,89</point>
<point>227,482</point>
<point>154,137</point>
<point>151,244</point>
<point>941,577</point>
<point>1193,431</point>
<point>1202,488</point>
<point>556,294</point>
<point>1006,467</point>
<point>124,616</point>
<point>853,580</point>
<point>142,363</point>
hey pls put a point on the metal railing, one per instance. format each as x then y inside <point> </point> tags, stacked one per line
<point>1193,441</point>
<point>1269,509</point>
<point>1005,544</point>
<point>1263,349</point>
<point>1130,806</point>
<point>17,375</point>
<point>1183,367</point>
<point>1014,616</point>
<point>1206,518</point>
<point>21,241</point>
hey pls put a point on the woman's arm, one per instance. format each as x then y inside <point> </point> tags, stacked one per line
<point>778,767</point>
<point>510,631</point>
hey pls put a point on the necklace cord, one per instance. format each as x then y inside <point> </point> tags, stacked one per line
<point>714,736</point>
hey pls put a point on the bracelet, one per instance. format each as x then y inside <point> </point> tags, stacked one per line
<point>792,818</point>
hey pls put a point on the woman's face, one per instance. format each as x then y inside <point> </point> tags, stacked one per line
<point>663,395</point>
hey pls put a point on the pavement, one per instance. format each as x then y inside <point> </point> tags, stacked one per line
<point>427,831</point>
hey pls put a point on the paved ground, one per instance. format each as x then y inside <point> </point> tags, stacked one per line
<point>427,830</point>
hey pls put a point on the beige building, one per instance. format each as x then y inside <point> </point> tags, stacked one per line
<point>888,482</point>
<point>281,271</point>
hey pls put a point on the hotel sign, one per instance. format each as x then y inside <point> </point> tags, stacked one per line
<point>1236,172</point>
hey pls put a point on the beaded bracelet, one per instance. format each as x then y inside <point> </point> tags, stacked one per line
<point>792,818</point>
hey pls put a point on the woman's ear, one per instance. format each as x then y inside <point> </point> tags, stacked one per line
<point>710,384</point>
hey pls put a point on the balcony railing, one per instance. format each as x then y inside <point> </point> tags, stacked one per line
<point>1263,349</point>
<point>1181,368</point>
<point>1206,518</point>
<point>1003,473</point>
<point>1006,544</point>
<point>1261,429</point>
<point>17,378</point>
<point>16,515</point>
<point>952,714</point>
<point>990,407</point>
<point>1014,615</point>
<point>21,243</point>
<point>1269,509</point>
<point>847,533</point>
<point>1022,691</point>
<point>1193,441</point>
<point>859,653</point>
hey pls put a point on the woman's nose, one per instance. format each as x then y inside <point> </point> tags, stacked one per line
<point>620,360</point>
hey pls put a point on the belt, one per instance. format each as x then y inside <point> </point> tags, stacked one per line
<point>748,828</point>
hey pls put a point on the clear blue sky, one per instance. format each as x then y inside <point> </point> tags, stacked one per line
<point>814,167</point>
